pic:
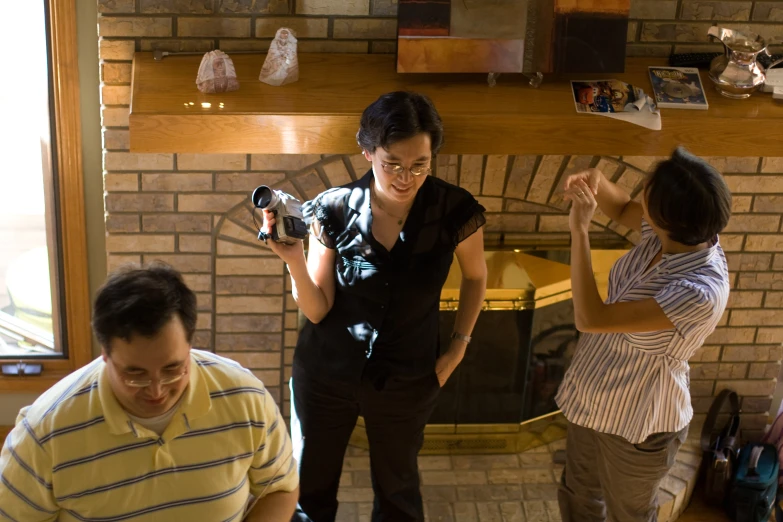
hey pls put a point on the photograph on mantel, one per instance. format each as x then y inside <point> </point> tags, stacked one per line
<point>511,36</point>
<point>617,100</point>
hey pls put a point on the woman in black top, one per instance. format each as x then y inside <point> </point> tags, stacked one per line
<point>370,289</point>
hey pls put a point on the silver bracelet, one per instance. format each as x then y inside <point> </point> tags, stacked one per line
<point>458,336</point>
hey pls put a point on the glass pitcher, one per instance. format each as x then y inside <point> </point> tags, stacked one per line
<point>737,74</point>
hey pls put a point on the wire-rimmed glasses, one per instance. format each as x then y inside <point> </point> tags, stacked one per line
<point>164,381</point>
<point>398,170</point>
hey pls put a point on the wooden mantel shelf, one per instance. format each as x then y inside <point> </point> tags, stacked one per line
<point>320,113</point>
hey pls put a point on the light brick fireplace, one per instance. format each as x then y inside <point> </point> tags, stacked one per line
<point>193,211</point>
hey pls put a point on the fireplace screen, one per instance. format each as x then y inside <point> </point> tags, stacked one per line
<point>523,341</point>
<point>512,368</point>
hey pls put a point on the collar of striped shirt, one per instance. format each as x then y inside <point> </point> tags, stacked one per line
<point>195,403</point>
<point>705,254</point>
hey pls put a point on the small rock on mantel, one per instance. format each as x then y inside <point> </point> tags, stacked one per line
<point>282,64</point>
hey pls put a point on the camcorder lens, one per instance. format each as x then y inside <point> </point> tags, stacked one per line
<point>262,197</point>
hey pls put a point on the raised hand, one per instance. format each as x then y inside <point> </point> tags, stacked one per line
<point>592,177</point>
<point>583,205</point>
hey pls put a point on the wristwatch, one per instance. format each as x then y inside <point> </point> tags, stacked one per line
<point>458,336</point>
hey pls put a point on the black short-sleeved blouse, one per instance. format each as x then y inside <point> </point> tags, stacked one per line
<point>384,320</point>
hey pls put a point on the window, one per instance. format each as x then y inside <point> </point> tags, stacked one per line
<point>27,285</point>
<point>44,297</point>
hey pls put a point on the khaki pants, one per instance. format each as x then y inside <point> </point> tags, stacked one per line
<point>607,475</point>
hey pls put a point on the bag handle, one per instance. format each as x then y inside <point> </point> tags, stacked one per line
<point>712,416</point>
<point>755,456</point>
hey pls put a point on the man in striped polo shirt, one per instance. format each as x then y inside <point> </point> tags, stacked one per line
<point>626,392</point>
<point>153,430</point>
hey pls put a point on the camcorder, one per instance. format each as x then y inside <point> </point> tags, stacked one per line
<point>289,224</point>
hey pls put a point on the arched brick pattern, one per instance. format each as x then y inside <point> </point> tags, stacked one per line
<point>523,196</point>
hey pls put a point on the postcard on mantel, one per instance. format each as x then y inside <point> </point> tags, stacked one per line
<point>617,100</point>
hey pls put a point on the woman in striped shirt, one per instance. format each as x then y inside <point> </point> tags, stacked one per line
<point>626,392</point>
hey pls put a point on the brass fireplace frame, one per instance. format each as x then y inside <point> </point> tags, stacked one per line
<point>472,439</point>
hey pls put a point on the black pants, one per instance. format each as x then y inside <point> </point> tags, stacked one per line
<point>323,416</point>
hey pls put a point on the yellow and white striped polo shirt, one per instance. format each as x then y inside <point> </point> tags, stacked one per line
<point>75,453</point>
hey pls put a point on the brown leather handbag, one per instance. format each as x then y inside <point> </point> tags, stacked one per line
<point>721,447</point>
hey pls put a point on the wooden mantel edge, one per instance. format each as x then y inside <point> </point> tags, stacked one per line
<point>719,131</point>
<point>540,135</point>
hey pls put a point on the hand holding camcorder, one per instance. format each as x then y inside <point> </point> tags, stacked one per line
<point>289,224</point>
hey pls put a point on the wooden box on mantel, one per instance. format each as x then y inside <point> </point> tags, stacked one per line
<point>320,113</point>
<point>548,36</point>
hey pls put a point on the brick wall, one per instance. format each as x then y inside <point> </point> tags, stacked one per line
<point>657,27</point>
<point>191,210</point>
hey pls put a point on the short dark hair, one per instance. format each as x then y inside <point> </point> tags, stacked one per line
<point>688,198</point>
<point>141,301</point>
<point>397,116</point>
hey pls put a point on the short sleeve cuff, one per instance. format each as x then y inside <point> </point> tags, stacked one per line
<point>468,220</point>
<point>318,218</point>
<point>685,305</point>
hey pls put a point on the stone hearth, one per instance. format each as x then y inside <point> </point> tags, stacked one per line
<point>492,488</point>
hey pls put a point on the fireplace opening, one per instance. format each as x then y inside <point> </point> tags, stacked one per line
<point>512,368</point>
<point>523,341</point>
